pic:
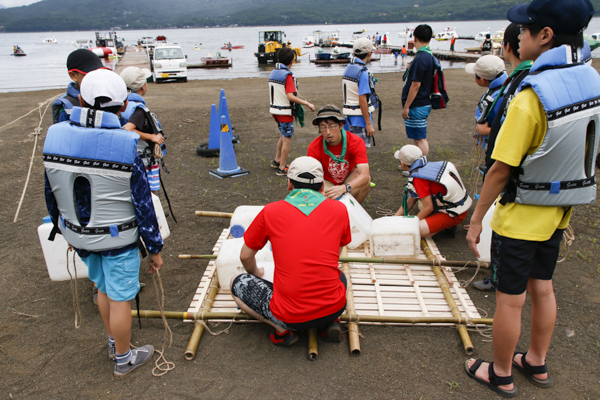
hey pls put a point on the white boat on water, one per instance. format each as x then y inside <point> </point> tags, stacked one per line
<point>51,40</point>
<point>499,35</point>
<point>595,36</point>
<point>480,37</point>
<point>446,34</point>
<point>406,33</point>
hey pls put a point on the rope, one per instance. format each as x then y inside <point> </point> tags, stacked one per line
<point>466,283</point>
<point>202,322</point>
<point>36,133</point>
<point>384,212</point>
<point>476,154</point>
<point>74,289</point>
<point>568,238</point>
<point>164,366</point>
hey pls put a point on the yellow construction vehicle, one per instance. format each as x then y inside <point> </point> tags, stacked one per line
<point>270,42</point>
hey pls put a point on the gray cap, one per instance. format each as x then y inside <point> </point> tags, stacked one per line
<point>362,46</point>
<point>408,154</point>
<point>135,78</point>
<point>487,67</point>
<point>308,165</point>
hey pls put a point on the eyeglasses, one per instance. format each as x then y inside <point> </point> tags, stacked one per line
<point>324,128</point>
<point>522,29</point>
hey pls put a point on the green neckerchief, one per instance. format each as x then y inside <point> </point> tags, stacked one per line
<point>299,115</point>
<point>305,200</point>
<point>426,49</point>
<point>524,66</point>
<point>344,148</point>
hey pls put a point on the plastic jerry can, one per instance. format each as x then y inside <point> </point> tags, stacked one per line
<point>163,226</point>
<point>360,220</point>
<point>55,254</point>
<point>229,264</point>
<point>485,237</point>
<point>242,218</point>
<point>395,237</point>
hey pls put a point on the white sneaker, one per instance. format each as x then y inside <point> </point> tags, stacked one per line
<point>406,173</point>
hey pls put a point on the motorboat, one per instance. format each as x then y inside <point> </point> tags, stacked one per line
<point>446,34</point>
<point>308,41</point>
<point>229,46</point>
<point>480,37</point>
<point>161,39</point>
<point>407,33</point>
<point>210,60</point>
<point>51,40</point>
<point>499,35</point>
<point>106,44</point>
<point>18,51</point>
<point>84,43</point>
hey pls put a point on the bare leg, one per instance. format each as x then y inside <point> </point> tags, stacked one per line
<point>423,145</point>
<point>120,324</point>
<point>256,315</point>
<point>424,229</point>
<point>104,308</point>
<point>361,192</point>
<point>285,149</point>
<point>278,152</point>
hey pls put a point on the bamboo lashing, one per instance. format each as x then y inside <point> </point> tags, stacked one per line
<point>213,214</point>
<point>190,351</point>
<point>353,338</point>
<point>313,352</point>
<point>366,260</point>
<point>462,327</point>
<point>350,318</point>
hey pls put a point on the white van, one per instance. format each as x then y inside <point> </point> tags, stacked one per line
<point>169,62</point>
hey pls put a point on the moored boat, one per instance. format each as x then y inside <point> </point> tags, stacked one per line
<point>446,34</point>
<point>210,60</point>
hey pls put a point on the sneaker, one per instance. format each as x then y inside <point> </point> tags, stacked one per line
<point>332,332</point>
<point>282,172</point>
<point>139,357</point>
<point>485,285</point>
<point>287,339</point>
<point>274,164</point>
<point>405,173</point>
<point>112,352</point>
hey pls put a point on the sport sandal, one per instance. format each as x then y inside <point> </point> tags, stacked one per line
<point>287,338</point>
<point>530,370</point>
<point>495,380</point>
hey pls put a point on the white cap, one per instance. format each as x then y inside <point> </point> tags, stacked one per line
<point>103,83</point>
<point>303,165</point>
<point>408,154</point>
<point>135,78</point>
<point>487,67</point>
<point>362,46</point>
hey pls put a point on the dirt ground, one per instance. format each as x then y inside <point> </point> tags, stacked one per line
<point>42,355</point>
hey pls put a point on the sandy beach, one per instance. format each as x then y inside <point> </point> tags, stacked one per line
<point>42,355</point>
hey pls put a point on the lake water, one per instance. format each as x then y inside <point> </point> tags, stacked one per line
<point>44,66</point>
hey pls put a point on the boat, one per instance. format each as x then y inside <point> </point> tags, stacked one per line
<point>106,44</point>
<point>446,34</point>
<point>499,35</point>
<point>480,37</point>
<point>210,60</point>
<point>383,50</point>
<point>320,54</point>
<point>229,46</point>
<point>84,43</point>
<point>477,49</point>
<point>196,47</point>
<point>407,33</point>
<point>51,40</point>
<point>363,30</point>
<point>161,39</point>
<point>18,51</point>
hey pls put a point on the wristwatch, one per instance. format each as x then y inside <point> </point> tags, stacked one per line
<point>348,188</point>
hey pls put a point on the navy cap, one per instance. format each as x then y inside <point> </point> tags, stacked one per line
<point>84,61</point>
<point>567,17</point>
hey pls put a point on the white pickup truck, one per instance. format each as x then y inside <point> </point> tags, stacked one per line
<point>169,62</point>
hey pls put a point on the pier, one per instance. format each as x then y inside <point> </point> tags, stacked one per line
<point>133,58</point>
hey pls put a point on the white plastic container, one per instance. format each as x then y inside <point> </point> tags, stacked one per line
<point>163,226</point>
<point>360,220</point>
<point>395,237</point>
<point>242,218</point>
<point>485,238</point>
<point>55,254</point>
<point>229,264</point>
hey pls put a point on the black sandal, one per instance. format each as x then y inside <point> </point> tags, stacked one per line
<point>529,371</point>
<point>495,380</point>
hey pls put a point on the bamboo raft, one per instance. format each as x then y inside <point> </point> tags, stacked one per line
<point>378,294</point>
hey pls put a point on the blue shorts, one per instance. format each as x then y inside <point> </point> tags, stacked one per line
<point>286,128</point>
<point>116,276</point>
<point>416,124</point>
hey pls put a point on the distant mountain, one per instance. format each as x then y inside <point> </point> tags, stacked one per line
<point>69,15</point>
<point>1,6</point>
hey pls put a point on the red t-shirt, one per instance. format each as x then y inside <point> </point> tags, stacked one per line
<point>426,188</point>
<point>356,153</point>
<point>306,283</point>
<point>290,87</point>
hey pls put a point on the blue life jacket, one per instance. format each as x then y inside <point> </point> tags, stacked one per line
<point>487,99</point>
<point>561,171</point>
<point>92,146</point>
<point>61,108</point>
<point>135,101</point>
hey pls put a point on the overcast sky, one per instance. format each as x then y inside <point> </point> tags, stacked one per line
<point>16,3</point>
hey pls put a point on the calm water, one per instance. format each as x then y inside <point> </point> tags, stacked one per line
<point>44,67</point>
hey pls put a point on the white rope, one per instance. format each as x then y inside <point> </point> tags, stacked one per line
<point>74,289</point>
<point>568,238</point>
<point>164,366</point>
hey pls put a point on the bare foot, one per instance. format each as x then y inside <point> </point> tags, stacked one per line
<point>517,359</point>
<point>483,373</point>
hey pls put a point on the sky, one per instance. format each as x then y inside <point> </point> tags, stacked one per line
<point>17,3</point>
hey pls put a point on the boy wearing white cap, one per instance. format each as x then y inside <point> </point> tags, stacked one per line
<point>139,119</point>
<point>438,186</point>
<point>544,161</point>
<point>306,231</point>
<point>92,161</point>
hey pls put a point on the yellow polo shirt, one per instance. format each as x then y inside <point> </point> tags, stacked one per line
<point>522,133</point>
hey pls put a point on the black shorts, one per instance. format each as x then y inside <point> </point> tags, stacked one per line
<point>256,293</point>
<point>514,261</point>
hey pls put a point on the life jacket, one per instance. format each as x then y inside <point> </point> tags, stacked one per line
<point>145,148</point>
<point>561,171</point>
<point>92,146</point>
<point>487,45</point>
<point>65,103</point>
<point>456,200</point>
<point>280,105</point>
<point>350,88</point>
<point>487,99</point>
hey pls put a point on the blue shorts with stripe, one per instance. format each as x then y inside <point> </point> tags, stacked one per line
<point>416,124</point>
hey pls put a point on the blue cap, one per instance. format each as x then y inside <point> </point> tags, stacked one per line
<point>567,17</point>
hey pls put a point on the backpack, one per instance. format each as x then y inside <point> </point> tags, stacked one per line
<point>439,96</point>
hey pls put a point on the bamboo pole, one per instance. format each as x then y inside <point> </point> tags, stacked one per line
<point>227,316</point>
<point>213,214</point>
<point>366,260</point>
<point>353,338</point>
<point>462,329</point>
<point>190,351</point>
<point>313,352</point>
